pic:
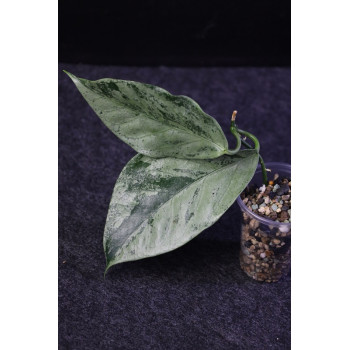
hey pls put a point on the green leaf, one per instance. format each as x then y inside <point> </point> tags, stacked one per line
<point>153,121</point>
<point>160,204</point>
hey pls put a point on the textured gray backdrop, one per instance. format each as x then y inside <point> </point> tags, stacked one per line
<point>195,297</point>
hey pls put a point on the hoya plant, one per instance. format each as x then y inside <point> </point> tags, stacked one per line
<point>184,176</point>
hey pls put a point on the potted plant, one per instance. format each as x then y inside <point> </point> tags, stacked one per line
<point>184,176</point>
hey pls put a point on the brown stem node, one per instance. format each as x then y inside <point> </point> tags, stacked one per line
<point>234,113</point>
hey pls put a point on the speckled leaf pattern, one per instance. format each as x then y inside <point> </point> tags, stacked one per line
<point>160,204</point>
<point>153,121</point>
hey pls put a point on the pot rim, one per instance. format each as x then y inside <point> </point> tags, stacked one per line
<point>256,216</point>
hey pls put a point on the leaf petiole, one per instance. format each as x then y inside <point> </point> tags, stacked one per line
<point>236,134</point>
<point>234,130</point>
<point>261,161</point>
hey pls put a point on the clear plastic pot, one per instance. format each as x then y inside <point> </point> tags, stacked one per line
<point>265,244</point>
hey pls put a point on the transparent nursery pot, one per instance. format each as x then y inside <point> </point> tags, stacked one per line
<point>265,244</point>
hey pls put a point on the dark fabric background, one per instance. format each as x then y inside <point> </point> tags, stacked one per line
<point>195,297</point>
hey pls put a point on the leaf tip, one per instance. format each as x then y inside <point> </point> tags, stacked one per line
<point>69,74</point>
<point>72,76</point>
<point>109,264</point>
<point>106,269</point>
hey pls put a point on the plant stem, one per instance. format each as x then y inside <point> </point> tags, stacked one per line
<point>236,134</point>
<point>252,137</point>
<point>261,161</point>
<point>234,130</point>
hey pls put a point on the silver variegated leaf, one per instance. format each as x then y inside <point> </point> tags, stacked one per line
<point>153,121</point>
<point>160,204</point>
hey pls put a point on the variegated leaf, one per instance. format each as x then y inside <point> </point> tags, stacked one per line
<point>153,121</point>
<point>160,204</point>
